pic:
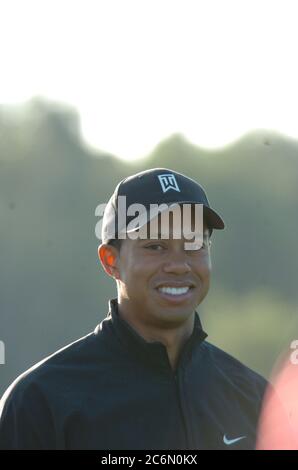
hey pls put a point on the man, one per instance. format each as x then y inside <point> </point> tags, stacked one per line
<point>146,378</point>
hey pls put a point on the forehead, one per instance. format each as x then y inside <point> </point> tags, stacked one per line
<point>181,219</point>
<point>177,223</point>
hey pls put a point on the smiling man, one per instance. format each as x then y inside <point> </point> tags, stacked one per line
<point>146,378</point>
<point>160,283</point>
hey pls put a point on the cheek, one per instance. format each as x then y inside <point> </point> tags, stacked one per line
<point>133,271</point>
<point>208,265</point>
<point>203,266</point>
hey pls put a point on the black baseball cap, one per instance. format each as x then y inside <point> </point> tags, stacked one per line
<point>155,186</point>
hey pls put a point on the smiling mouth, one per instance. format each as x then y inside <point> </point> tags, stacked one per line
<point>175,291</point>
<point>175,295</point>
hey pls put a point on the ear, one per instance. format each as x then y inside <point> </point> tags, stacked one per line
<point>108,256</point>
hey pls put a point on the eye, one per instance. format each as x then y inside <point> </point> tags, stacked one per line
<point>155,246</point>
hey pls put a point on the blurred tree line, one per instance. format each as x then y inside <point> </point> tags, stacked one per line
<point>52,287</point>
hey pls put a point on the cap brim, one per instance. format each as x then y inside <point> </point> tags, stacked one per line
<point>213,220</point>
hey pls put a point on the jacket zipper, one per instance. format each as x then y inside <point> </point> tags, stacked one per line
<point>187,432</point>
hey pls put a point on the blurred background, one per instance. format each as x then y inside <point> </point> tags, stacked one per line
<point>93,91</point>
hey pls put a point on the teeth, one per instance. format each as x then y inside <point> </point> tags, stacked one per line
<point>174,290</point>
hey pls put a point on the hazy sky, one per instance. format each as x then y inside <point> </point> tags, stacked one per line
<point>139,70</point>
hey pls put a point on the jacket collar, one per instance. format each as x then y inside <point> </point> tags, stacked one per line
<point>154,354</point>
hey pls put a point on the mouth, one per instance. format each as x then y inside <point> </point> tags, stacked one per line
<point>175,294</point>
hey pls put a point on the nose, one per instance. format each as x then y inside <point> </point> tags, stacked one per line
<point>177,264</point>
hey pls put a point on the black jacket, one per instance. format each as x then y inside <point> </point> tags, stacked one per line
<point>113,390</point>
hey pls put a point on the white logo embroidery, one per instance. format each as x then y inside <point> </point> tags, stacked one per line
<point>229,442</point>
<point>168,181</point>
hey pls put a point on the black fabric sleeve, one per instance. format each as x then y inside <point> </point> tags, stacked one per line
<point>25,419</point>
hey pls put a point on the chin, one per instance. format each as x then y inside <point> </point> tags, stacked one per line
<point>174,314</point>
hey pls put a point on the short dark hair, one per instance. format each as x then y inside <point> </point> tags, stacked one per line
<point>116,242</point>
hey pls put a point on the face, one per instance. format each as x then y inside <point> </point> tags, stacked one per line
<point>159,280</point>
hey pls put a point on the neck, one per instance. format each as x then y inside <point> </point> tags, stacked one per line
<point>173,337</point>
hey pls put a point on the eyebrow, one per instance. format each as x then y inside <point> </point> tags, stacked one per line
<point>205,235</point>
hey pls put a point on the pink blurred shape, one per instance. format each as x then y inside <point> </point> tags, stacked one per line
<point>278,425</point>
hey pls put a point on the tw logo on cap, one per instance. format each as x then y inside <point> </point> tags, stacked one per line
<point>168,181</point>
